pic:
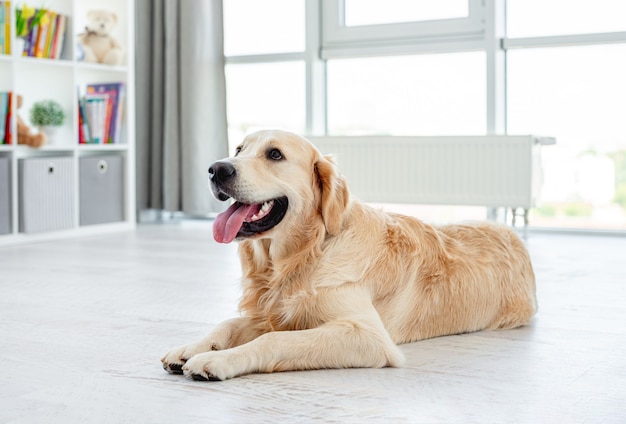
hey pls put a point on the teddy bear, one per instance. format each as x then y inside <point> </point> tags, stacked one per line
<point>24,136</point>
<point>97,42</point>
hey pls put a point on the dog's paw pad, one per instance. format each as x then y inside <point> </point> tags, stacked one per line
<point>200,377</point>
<point>173,368</point>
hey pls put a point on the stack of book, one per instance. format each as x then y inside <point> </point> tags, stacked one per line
<point>100,113</point>
<point>45,40</point>
<point>5,27</point>
<point>6,112</point>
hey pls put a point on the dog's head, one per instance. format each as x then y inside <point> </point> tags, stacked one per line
<point>279,181</point>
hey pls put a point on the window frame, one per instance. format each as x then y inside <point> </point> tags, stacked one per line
<point>339,40</point>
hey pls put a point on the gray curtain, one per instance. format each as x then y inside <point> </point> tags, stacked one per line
<point>181,103</point>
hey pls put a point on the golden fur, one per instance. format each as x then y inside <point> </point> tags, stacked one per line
<point>339,284</point>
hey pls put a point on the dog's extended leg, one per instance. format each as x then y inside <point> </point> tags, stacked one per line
<point>345,343</point>
<point>226,335</point>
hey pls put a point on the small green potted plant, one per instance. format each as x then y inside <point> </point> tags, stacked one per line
<point>47,115</point>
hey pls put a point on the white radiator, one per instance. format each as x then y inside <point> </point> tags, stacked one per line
<point>492,171</point>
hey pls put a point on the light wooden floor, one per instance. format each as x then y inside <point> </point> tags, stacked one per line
<point>84,321</point>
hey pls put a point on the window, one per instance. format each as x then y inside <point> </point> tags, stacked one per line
<point>440,94</point>
<point>535,18</point>
<point>261,27</point>
<point>264,95</point>
<point>264,44</point>
<point>375,12</point>
<point>446,67</point>
<point>577,95</point>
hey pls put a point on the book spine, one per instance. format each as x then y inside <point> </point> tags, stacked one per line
<point>41,39</point>
<point>3,115</point>
<point>103,89</point>
<point>85,122</point>
<point>61,37</point>
<point>3,27</point>
<point>7,129</point>
<point>81,133</point>
<point>91,118</point>
<point>52,26</point>
<point>90,108</point>
<point>96,113</point>
<point>102,112</point>
<point>34,34</point>
<point>121,97</point>
<point>7,29</point>
<point>107,120</point>
<point>27,40</point>
<point>55,37</point>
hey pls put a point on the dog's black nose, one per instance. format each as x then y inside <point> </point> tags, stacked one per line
<point>221,172</point>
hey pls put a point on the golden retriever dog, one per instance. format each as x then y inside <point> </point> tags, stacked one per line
<point>329,282</point>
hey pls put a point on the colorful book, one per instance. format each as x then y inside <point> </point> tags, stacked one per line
<point>27,40</point>
<point>81,122</point>
<point>40,45</point>
<point>3,27</point>
<point>7,126</point>
<point>58,33</point>
<point>81,119</point>
<point>107,119</point>
<point>116,92</point>
<point>7,27</point>
<point>4,109</point>
<point>33,40</point>
<point>95,108</point>
<point>52,27</point>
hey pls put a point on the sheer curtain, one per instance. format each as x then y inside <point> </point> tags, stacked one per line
<point>181,103</point>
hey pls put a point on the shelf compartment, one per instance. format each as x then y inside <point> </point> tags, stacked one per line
<point>101,189</point>
<point>46,194</point>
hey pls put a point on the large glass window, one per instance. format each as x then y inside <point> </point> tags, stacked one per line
<point>265,95</point>
<point>374,12</point>
<point>576,94</point>
<point>264,44</point>
<point>538,18</point>
<point>435,67</point>
<point>260,27</point>
<point>442,94</point>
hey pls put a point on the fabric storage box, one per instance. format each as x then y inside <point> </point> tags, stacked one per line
<point>5,195</point>
<point>101,191</point>
<point>46,194</point>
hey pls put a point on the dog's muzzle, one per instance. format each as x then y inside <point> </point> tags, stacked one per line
<point>244,218</point>
<point>221,173</point>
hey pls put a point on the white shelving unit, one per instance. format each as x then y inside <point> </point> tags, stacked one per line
<point>38,79</point>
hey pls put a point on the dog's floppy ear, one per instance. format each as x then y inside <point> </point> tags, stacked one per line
<point>334,194</point>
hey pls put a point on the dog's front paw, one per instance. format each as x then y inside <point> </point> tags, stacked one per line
<point>211,366</point>
<point>174,360</point>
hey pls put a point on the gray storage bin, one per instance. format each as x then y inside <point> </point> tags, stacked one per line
<point>5,195</point>
<point>101,191</point>
<point>46,194</point>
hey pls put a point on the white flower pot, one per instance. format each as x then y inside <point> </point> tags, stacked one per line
<point>18,46</point>
<point>51,132</point>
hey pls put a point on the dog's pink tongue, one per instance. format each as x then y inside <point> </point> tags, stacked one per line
<point>227,224</point>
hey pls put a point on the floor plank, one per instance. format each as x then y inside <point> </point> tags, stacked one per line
<point>84,321</point>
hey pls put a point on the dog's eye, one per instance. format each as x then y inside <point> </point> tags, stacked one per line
<point>274,154</point>
<point>237,150</point>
